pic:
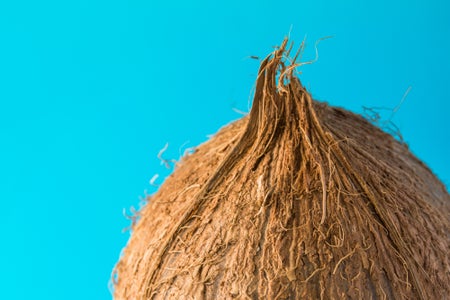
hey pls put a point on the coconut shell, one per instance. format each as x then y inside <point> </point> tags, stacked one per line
<point>297,200</point>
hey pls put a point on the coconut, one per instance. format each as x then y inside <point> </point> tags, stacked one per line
<point>297,200</point>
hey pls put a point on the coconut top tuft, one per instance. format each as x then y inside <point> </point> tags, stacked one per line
<point>296,200</point>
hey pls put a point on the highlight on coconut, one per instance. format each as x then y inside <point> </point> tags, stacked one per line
<point>296,200</point>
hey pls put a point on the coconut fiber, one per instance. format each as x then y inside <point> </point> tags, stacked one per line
<point>297,200</point>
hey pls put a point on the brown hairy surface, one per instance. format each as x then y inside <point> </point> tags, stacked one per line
<point>297,200</point>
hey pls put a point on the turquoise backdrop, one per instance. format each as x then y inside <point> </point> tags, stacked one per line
<point>90,91</point>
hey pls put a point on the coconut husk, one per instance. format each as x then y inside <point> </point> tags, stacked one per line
<point>297,200</point>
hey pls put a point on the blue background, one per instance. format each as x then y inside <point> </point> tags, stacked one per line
<point>90,91</point>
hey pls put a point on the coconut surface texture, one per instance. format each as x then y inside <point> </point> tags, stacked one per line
<point>297,200</point>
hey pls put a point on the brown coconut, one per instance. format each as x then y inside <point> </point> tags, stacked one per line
<point>297,200</point>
